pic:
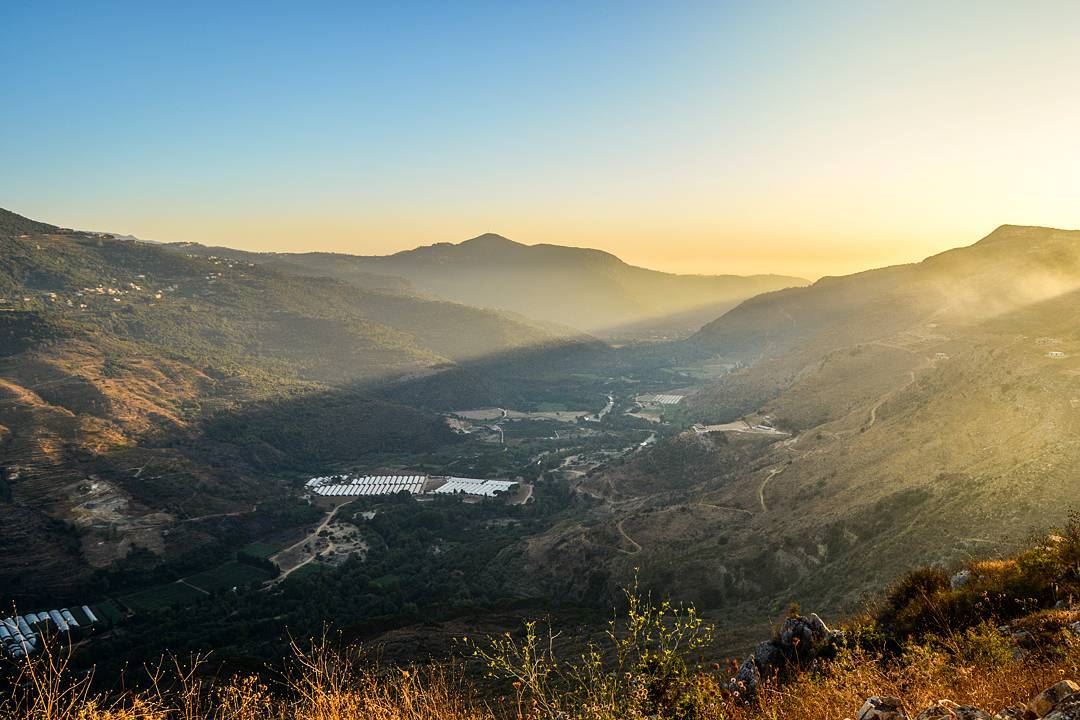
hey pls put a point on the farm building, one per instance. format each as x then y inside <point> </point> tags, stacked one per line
<point>20,635</point>
<point>371,485</point>
<point>660,399</point>
<point>339,485</point>
<point>472,486</point>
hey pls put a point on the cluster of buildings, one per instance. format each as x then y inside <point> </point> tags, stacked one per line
<point>100,292</point>
<point>339,485</point>
<point>471,486</point>
<point>20,635</point>
<point>355,486</point>
<point>660,399</point>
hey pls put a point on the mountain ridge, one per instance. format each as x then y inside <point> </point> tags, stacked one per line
<point>11,223</point>
<point>587,289</point>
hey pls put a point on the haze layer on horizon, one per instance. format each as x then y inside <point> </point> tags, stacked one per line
<point>803,138</point>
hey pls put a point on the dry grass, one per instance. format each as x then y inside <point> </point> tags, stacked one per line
<point>991,567</point>
<point>322,684</point>
<point>920,680</point>
<point>328,685</point>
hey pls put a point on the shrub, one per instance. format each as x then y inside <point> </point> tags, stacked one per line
<point>910,606</point>
<point>642,670</point>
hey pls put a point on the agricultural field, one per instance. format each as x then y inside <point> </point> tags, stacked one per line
<point>194,588</point>
<point>259,550</point>
<point>228,576</point>
<point>306,571</point>
<point>162,597</point>
<point>108,611</point>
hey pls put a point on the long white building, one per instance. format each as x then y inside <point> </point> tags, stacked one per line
<point>345,485</point>
<point>371,485</point>
<point>472,486</point>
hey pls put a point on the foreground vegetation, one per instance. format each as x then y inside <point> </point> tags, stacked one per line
<point>991,636</point>
<point>327,685</point>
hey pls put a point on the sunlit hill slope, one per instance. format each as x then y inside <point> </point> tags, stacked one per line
<point>923,413</point>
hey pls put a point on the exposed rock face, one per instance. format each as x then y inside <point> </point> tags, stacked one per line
<point>801,640</point>
<point>1013,712</point>
<point>948,710</point>
<point>881,707</point>
<point>1067,709</point>
<point>746,681</point>
<point>960,579</point>
<point>1049,699</point>
<point>805,631</point>
<point>1058,702</point>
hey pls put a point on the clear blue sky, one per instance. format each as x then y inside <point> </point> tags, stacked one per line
<point>797,137</point>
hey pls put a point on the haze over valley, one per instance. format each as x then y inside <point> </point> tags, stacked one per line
<point>589,290</point>
<point>587,361</point>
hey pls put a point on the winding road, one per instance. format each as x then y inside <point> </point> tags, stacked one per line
<point>761,490</point>
<point>886,397</point>
<point>637,547</point>
<point>724,507</point>
<point>235,513</point>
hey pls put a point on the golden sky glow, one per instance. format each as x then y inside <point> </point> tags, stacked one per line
<point>810,139</point>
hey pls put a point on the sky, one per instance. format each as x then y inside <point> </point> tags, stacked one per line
<point>698,137</point>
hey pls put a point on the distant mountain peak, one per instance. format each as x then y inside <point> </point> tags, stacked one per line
<point>492,240</point>
<point>1015,232</point>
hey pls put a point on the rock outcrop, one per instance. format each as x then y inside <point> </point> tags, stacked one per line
<point>1049,699</point>
<point>881,707</point>
<point>799,643</point>
<point>1060,701</point>
<point>948,710</point>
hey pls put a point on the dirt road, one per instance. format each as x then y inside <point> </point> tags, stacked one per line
<point>637,548</point>
<point>311,538</point>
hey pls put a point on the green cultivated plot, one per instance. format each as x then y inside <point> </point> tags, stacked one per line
<point>305,571</point>
<point>108,611</point>
<point>259,550</point>
<point>162,596</point>
<point>228,576</point>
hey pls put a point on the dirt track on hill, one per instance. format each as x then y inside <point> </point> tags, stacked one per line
<point>637,547</point>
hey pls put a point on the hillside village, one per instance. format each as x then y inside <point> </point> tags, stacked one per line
<point>140,288</point>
